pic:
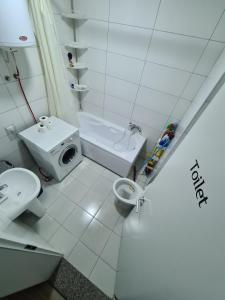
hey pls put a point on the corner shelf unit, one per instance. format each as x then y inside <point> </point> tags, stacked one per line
<point>78,66</point>
<point>77,46</point>
<point>75,16</point>
<point>80,88</point>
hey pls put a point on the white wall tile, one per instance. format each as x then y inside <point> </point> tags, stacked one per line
<point>116,119</point>
<point>93,33</point>
<point>209,57</point>
<point>140,13</point>
<point>98,9</point>
<point>28,61</point>
<point>130,41</point>
<point>193,86</point>
<point>121,89</point>
<point>64,28</point>
<point>95,59</point>
<point>156,101</point>
<point>7,146</point>
<point>148,117</point>
<point>164,79</point>
<point>94,97</point>
<point>39,107</point>
<point>119,106</point>
<point>34,88</point>
<point>94,80</point>
<point>11,117</point>
<point>6,102</point>
<point>124,67</point>
<point>151,134</point>
<point>175,50</point>
<point>180,109</point>
<point>93,109</point>
<point>20,157</point>
<point>4,70</point>
<point>194,18</point>
<point>219,33</point>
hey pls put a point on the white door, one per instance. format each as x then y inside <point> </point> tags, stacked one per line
<point>174,249</point>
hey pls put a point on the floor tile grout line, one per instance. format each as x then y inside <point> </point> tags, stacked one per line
<point>104,249</point>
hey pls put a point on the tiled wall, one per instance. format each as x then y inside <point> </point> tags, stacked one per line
<point>65,31</point>
<point>147,59</point>
<point>12,106</point>
<point>204,96</point>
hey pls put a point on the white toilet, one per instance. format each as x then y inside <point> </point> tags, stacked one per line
<point>127,191</point>
<point>19,189</point>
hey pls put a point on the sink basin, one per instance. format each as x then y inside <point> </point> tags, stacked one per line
<point>19,189</point>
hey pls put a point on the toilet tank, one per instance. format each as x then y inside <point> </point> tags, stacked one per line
<point>15,24</point>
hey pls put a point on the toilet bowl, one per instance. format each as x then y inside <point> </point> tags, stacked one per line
<point>127,191</point>
<point>19,189</point>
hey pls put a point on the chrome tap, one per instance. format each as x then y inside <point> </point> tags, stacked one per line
<point>134,128</point>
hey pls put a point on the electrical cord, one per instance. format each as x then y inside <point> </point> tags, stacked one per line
<point>17,77</point>
<point>46,178</point>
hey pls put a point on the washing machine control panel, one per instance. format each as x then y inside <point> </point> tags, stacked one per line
<point>64,144</point>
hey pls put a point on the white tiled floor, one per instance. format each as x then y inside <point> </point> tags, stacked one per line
<point>82,222</point>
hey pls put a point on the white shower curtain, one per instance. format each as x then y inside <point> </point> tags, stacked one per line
<point>60,102</point>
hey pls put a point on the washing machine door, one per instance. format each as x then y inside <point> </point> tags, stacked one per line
<point>68,155</point>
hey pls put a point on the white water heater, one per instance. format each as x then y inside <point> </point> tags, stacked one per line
<point>15,24</point>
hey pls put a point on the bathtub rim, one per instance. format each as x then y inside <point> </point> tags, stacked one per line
<point>129,156</point>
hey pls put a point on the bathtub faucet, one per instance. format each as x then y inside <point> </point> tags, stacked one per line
<point>134,128</point>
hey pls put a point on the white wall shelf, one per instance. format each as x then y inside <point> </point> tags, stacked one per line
<point>78,66</point>
<point>76,45</point>
<point>75,16</point>
<point>80,88</point>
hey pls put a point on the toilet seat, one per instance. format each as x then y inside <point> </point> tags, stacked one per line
<point>127,191</point>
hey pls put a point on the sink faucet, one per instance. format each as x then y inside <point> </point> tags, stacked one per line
<point>3,186</point>
<point>134,128</point>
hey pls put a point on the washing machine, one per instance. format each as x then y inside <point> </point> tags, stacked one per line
<point>56,148</point>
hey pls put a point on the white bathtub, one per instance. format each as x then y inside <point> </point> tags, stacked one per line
<point>108,144</point>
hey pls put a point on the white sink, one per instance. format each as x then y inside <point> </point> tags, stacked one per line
<point>19,189</point>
